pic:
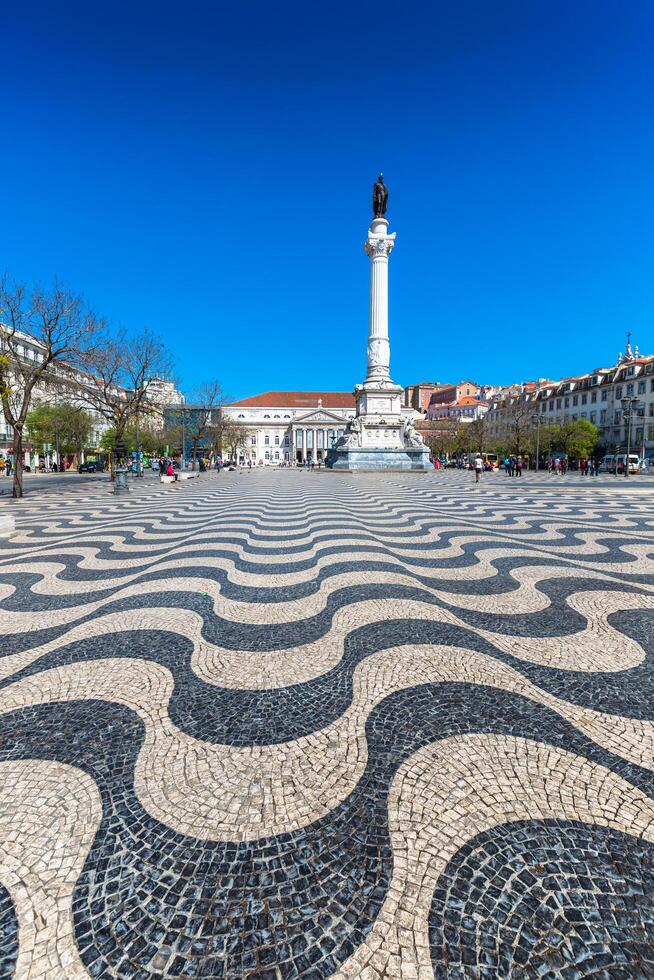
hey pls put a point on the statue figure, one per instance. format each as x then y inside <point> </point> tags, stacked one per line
<point>411,435</point>
<point>353,433</point>
<point>380,197</point>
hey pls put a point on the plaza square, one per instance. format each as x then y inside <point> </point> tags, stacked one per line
<point>283,723</point>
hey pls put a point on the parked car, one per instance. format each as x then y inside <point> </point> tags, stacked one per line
<point>91,467</point>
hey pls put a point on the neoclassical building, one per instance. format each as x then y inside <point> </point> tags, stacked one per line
<point>291,426</point>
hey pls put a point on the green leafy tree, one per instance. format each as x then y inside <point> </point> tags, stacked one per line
<point>578,439</point>
<point>150,440</point>
<point>67,427</point>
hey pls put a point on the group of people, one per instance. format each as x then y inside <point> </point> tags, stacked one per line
<point>163,466</point>
<point>6,466</point>
<point>560,466</point>
<point>513,465</point>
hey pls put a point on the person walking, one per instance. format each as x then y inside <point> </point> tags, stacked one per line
<point>479,468</point>
<point>519,463</point>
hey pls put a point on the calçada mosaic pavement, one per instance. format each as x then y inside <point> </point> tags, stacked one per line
<point>284,724</point>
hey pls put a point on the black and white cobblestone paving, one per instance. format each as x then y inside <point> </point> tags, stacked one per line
<point>283,724</point>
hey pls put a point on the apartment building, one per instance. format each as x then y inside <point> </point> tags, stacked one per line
<point>596,396</point>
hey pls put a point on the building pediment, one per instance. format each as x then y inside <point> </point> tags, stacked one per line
<point>319,415</point>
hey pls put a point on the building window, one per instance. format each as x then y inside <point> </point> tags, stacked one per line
<point>639,434</point>
<point>593,396</point>
<point>593,416</point>
<point>266,440</point>
<point>253,441</point>
<point>584,399</point>
<point>241,416</point>
<point>603,417</point>
<point>276,455</point>
<point>266,455</point>
<point>552,405</point>
<point>630,389</point>
<point>266,416</point>
<point>558,403</point>
<point>651,385</point>
<point>604,395</point>
<point>641,387</point>
<point>618,391</point>
<point>567,403</point>
<point>575,399</point>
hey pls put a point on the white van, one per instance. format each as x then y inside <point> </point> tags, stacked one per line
<point>608,464</point>
<point>621,462</point>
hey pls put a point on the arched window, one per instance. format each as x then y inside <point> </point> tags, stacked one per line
<point>266,416</point>
<point>266,440</point>
<point>267,455</point>
<point>241,416</point>
<point>276,455</point>
<point>276,416</point>
<point>276,440</point>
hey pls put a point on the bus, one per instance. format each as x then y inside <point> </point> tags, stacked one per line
<point>491,459</point>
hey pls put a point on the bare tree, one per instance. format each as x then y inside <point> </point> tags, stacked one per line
<point>119,383</point>
<point>234,436</point>
<point>518,424</point>
<point>201,415</point>
<point>44,335</point>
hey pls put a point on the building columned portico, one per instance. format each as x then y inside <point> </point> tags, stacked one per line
<point>287,427</point>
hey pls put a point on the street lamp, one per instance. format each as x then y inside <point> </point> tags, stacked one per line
<point>629,407</point>
<point>537,420</point>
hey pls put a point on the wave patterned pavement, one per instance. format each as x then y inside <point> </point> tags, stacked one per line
<point>283,724</point>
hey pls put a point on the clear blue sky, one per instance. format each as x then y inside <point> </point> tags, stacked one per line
<point>206,169</point>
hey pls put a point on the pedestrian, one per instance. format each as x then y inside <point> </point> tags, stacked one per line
<point>519,463</point>
<point>479,467</point>
<point>8,466</point>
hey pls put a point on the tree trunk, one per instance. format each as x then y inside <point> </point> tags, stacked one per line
<point>18,463</point>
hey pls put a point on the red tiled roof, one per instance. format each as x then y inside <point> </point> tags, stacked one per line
<point>299,399</point>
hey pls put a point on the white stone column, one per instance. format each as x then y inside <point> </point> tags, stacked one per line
<point>378,248</point>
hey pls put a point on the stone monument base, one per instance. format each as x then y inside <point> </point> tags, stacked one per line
<point>356,458</point>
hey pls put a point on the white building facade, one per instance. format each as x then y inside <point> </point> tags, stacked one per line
<point>291,427</point>
<point>597,397</point>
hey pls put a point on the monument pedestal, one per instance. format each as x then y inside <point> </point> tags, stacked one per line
<point>382,435</point>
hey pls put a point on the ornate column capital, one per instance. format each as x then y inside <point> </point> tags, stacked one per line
<point>379,245</point>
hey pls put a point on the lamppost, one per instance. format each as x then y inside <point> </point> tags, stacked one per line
<point>120,468</point>
<point>538,420</point>
<point>629,406</point>
<point>139,465</point>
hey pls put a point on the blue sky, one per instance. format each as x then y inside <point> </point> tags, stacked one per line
<point>206,169</point>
